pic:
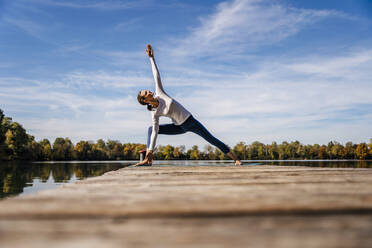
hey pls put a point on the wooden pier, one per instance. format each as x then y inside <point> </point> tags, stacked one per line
<point>189,206</point>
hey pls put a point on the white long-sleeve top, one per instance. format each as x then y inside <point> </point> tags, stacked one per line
<point>167,107</point>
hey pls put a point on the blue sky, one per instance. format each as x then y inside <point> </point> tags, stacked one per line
<point>266,70</point>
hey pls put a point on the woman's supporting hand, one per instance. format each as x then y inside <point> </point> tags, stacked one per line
<point>148,159</point>
<point>149,51</point>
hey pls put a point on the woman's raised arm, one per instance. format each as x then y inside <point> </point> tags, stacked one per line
<point>158,85</point>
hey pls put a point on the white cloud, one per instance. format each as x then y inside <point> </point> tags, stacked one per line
<point>128,25</point>
<point>100,5</point>
<point>352,65</point>
<point>125,59</point>
<point>28,26</point>
<point>242,24</point>
<point>104,79</point>
<point>6,65</point>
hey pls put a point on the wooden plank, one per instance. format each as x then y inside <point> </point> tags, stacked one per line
<point>178,206</point>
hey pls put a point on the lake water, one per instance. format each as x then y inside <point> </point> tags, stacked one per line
<point>25,177</point>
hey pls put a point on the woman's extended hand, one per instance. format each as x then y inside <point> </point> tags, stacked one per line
<point>149,51</point>
<point>148,159</point>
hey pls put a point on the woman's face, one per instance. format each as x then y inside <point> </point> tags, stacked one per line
<point>148,95</point>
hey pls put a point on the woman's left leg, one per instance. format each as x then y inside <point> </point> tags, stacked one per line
<point>198,128</point>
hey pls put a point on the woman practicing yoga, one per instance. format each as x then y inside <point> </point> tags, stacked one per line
<point>183,121</point>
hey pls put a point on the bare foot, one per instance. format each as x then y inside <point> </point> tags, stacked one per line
<point>232,156</point>
<point>238,163</point>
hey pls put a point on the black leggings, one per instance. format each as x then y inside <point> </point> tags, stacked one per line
<point>192,125</point>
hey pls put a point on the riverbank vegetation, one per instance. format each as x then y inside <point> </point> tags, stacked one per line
<point>16,144</point>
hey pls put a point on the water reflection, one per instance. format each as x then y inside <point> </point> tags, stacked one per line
<point>15,177</point>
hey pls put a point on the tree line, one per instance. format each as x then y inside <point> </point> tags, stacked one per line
<point>16,144</point>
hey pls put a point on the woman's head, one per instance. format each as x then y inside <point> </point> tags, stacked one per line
<point>146,97</point>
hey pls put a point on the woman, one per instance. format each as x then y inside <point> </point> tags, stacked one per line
<point>183,121</point>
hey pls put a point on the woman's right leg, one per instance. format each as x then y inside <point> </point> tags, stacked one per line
<point>169,129</point>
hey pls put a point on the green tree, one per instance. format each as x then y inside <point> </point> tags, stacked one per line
<point>284,151</point>
<point>46,148</point>
<point>240,150</point>
<point>179,152</point>
<point>210,152</point>
<point>337,151</point>
<point>99,150</point>
<point>101,145</point>
<point>362,151</point>
<point>168,152</point>
<point>313,151</point>
<point>63,149</point>
<point>115,150</point>
<point>16,140</point>
<point>83,150</point>
<point>176,153</point>
<point>255,150</point>
<point>273,151</point>
<point>194,153</point>
<point>322,152</point>
<point>300,150</point>
<point>349,150</point>
<point>260,152</point>
<point>159,154</point>
<point>35,150</point>
<point>129,151</point>
<point>329,149</point>
<point>294,149</point>
<point>2,136</point>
